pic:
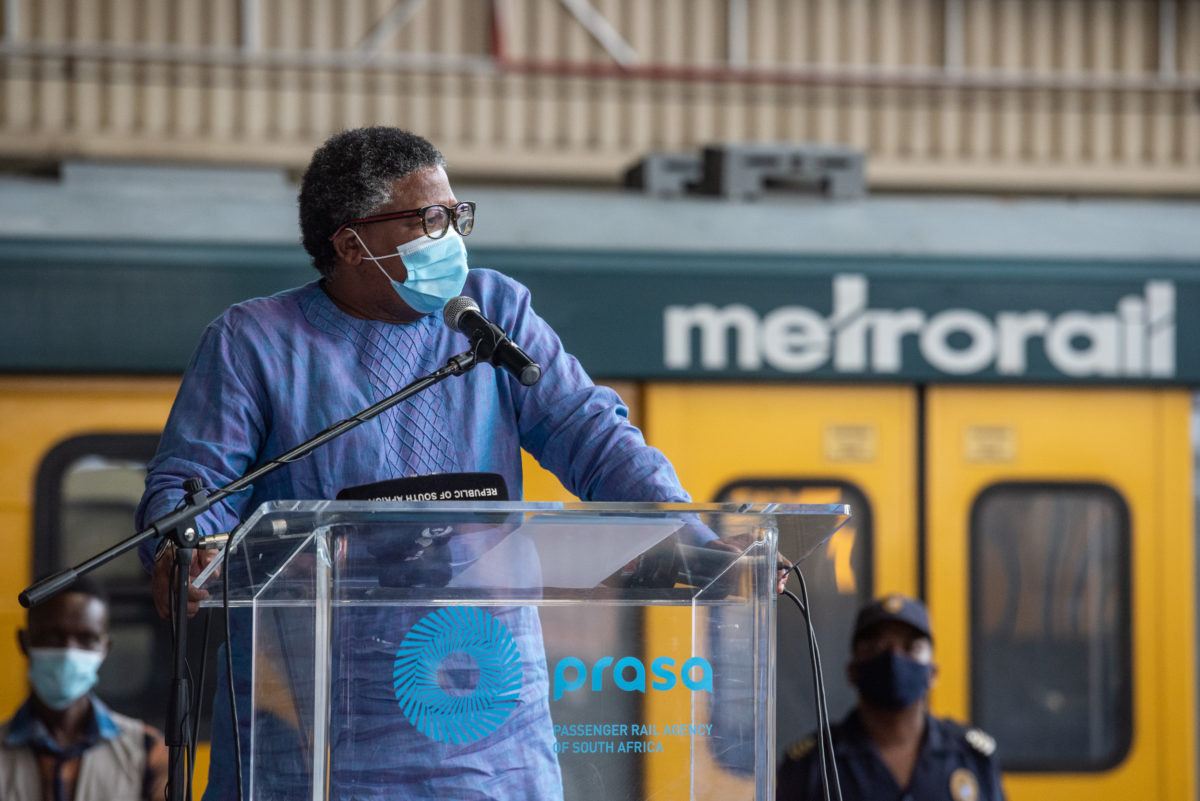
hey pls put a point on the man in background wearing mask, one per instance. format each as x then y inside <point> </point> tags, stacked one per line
<point>889,747</point>
<point>63,744</point>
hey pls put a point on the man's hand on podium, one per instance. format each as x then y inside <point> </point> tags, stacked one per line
<point>160,581</point>
<point>782,569</point>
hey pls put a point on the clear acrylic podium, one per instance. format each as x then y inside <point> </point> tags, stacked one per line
<point>501,650</point>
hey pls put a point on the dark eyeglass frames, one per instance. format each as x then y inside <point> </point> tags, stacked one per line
<point>435,220</point>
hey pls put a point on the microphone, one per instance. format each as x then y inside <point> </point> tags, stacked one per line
<point>462,315</point>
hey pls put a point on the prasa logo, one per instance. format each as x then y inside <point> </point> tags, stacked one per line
<point>629,674</point>
<point>1135,340</point>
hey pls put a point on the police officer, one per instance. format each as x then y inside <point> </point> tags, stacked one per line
<point>889,748</point>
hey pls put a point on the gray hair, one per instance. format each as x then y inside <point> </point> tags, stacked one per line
<point>351,176</point>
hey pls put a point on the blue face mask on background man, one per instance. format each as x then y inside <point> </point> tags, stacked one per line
<point>437,270</point>
<point>892,681</point>
<point>61,676</point>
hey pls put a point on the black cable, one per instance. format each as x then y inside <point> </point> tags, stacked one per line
<point>825,745</point>
<point>189,744</point>
<point>824,700</point>
<point>188,756</point>
<point>814,651</point>
<point>197,699</point>
<point>189,751</point>
<point>237,738</point>
<point>816,676</point>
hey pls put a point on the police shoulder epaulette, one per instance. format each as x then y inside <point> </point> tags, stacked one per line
<point>981,741</point>
<point>800,749</point>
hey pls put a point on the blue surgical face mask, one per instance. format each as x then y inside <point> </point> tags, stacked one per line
<point>892,681</point>
<point>61,676</point>
<point>437,270</point>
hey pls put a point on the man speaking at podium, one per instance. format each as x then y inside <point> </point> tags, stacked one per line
<point>386,233</point>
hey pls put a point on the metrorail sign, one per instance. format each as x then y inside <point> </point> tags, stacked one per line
<point>1135,339</point>
<point>751,316</point>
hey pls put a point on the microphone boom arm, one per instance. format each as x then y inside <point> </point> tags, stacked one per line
<point>178,525</point>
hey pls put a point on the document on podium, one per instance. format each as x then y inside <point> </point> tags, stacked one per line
<point>573,552</point>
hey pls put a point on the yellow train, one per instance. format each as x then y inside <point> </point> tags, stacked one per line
<point>1014,436</point>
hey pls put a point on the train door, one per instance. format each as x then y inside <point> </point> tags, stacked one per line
<point>1059,563</point>
<point>806,444</point>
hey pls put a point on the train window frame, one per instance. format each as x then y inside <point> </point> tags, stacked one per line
<point>1123,664</point>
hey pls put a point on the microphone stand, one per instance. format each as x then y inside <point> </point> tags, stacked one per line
<point>179,527</point>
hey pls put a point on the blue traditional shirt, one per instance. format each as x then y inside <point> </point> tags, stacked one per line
<point>271,372</point>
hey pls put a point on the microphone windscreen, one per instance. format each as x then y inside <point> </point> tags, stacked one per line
<point>454,309</point>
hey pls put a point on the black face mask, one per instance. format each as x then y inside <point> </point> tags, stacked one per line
<point>892,681</point>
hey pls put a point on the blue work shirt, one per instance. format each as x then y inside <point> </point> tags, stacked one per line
<point>270,373</point>
<point>954,763</point>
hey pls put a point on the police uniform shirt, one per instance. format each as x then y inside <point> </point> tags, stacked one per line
<point>954,763</point>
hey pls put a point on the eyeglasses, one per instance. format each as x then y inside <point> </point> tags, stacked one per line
<point>435,220</point>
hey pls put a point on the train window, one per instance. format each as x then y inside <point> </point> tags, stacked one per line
<point>87,492</point>
<point>1050,625</point>
<point>99,495</point>
<point>839,578</point>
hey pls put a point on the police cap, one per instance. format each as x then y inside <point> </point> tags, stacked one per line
<point>895,607</point>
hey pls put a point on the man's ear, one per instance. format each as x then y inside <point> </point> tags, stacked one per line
<point>852,674</point>
<point>23,641</point>
<point>933,674</point>
<point>348,246</point>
